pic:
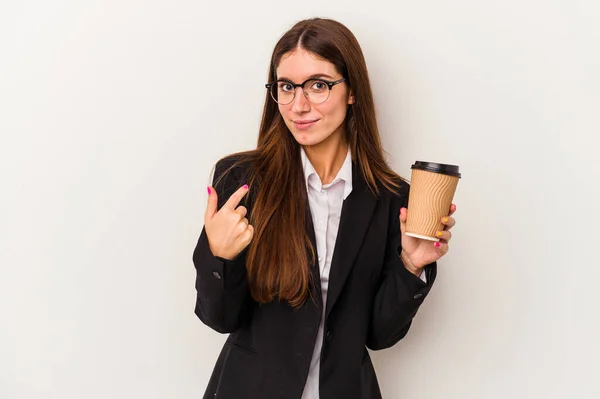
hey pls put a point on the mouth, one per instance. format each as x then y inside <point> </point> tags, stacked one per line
<point>304,124</point>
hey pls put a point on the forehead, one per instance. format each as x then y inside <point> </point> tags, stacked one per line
<point>300,64</point>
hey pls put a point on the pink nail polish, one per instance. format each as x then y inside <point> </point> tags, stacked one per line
<point>245,186</point>
<point>208,188</point>
<point>437,244</point>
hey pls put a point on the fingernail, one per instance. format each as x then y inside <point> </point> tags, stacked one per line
<point>208,188</point>
<point>445,220</point>
<point>439,234</point>
<point>437,244</point>
<point>245,186</point>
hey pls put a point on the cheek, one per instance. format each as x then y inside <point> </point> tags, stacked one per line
<point>282,111</point>
<point>287,112</point>
<point>335,113</point>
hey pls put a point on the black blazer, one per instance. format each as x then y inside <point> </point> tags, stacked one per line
<point>371,301</point>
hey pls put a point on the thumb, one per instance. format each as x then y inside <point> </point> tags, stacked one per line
<point>403,216</point>
<point>211,206</point>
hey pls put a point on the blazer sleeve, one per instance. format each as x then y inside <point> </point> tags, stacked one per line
<point>223,296</point>
<point>400,293</point>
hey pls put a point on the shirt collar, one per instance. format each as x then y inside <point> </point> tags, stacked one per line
<point>345,173</point>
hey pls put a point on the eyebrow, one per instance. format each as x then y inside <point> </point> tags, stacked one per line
<point>315,76</point>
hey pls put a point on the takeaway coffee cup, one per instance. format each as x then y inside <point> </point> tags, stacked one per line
<point>432,189</point>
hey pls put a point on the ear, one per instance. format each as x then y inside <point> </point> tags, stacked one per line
<point>351,98</point>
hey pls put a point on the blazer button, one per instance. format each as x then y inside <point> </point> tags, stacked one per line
<point>328,335</point>
<point>217,275</point>
<point>417,296</point>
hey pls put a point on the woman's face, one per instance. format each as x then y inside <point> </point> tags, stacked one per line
<point>309,123</point>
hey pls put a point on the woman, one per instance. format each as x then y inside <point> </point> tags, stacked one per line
<point>303,257</point>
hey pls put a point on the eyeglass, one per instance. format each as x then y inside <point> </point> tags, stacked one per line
<point>316,90</point>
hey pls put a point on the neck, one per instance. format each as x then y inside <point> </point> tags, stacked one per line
<point>328,157</point>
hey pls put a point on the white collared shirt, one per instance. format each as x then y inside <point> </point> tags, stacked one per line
<point>325,201</point>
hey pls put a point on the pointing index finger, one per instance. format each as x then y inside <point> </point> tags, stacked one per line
<point>236,197</point>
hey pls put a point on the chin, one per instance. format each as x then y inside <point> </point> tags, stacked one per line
<point>307,139</point>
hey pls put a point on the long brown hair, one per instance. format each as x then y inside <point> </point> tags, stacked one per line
<point>278,261</point>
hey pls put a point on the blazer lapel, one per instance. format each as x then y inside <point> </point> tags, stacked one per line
<point>357,211</point>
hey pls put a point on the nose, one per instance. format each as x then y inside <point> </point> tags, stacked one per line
<point>300,103</point>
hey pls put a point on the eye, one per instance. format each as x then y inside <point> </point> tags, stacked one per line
<point>285,87</point>
<point>318,86</point>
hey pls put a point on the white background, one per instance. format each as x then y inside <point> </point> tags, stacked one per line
<point>112,114</point>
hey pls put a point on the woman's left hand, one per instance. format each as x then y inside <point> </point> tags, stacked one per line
<point>421,253</point>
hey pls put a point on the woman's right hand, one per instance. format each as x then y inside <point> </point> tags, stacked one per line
<point>227,230</point>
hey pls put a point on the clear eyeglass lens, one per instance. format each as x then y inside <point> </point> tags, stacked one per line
<point>315,90</point>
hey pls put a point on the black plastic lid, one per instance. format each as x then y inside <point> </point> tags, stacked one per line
<point>451,170</point>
